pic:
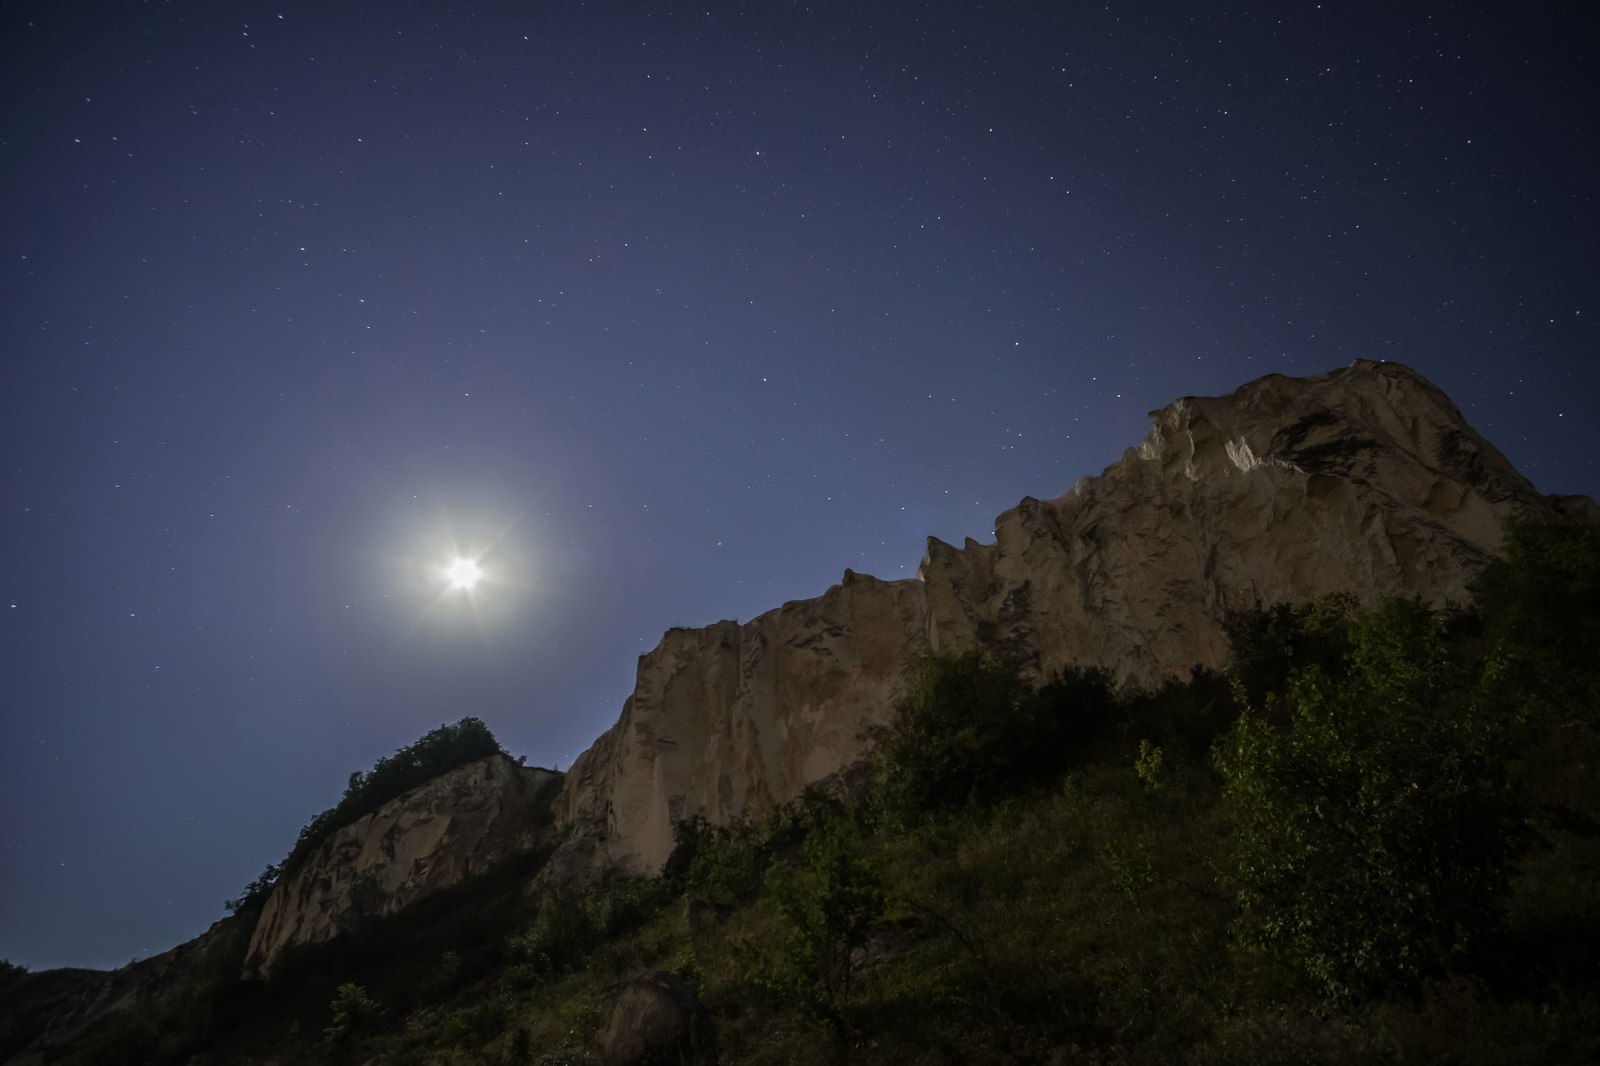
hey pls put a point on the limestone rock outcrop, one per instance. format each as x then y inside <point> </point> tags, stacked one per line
<point>1365,481</point>
<point>459,824</point>
<point>734,719</point>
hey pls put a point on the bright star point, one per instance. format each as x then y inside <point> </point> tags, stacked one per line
<point>463,574</point>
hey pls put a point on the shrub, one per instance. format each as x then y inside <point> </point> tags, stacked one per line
<point>124,1036</point>
<point>1149,766</point>
<point>352,1010</point>
<point>719,864</point>
<point>256,892</point>
<point>1377,827</point>
<point>829,907</point>
<point>557,938</point>
<point>970,730</point>
<point>1541,604</point>
<point>621,905</point>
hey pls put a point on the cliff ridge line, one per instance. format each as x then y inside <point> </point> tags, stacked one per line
<point>1366,481</point>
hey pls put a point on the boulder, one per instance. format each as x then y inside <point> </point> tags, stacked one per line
<point>658,1021</point>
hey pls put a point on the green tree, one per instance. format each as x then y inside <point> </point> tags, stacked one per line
<point>829,905</point>
<point>1540,602</point>
<point>256,892</point>
<point>720,864</point>
<point>1377,825</point>
<point>352,1009</point>
<point>969,729</point>
<point>946,743</point>
<point>1268,644</point>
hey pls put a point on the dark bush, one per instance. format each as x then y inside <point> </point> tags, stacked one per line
<point>719,864</point>
<point>1268,644</point>
<point>829,902</point>
<point>256,892</point>
<point>970,730</point>
<point>1540,602</point>
<point>1377,824</point>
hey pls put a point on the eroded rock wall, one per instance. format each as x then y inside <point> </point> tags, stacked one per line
<point>734,719</point>
<point>459,824</point>
<point>1365,481</point>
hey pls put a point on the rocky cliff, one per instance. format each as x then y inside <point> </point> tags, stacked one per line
<point>459,824</point>
<point>733,719</point>
<point>1366,480</point>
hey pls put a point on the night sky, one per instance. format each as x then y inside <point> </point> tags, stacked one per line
<point>665,316</point>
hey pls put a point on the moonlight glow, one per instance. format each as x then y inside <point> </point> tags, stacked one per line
<point>463,574</point>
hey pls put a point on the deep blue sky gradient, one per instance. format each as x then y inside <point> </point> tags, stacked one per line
<point>673,315</point>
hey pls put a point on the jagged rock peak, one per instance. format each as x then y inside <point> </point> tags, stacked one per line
<point>1341,423</point>
<point>1365,480</point>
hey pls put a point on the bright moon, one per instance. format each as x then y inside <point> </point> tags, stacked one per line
<point>463,574</point>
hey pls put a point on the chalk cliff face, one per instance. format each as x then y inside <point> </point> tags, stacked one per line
<point>459,824</point>
<point>733,719</point>
<point>1364,481</point>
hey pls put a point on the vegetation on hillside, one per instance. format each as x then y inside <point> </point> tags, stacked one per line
<point>437,752</point>
<point>1376,815</point>
<point>1376,837</point>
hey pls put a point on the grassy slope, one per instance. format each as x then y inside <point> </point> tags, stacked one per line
<point>1089,920</point>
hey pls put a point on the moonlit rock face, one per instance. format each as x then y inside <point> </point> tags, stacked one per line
<point>732,719</point>
<point>459,824</point>
<point>1239,452</point>
<point>1364,481</point>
